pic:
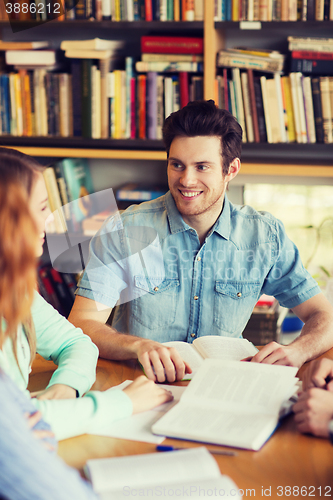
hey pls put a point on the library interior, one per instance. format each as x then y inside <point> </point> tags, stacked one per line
<point>86,88</point>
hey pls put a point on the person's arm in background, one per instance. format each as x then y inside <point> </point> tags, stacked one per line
<point>314,408</point>
<point>73,352</point>
<point>159,362</point>
<point>292,285</point>
<point>27,470</point>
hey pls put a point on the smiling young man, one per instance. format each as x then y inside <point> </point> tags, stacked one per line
<point>191,264</point>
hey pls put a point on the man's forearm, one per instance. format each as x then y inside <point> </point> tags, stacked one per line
<point>111,344</point>
<point>316,336</point>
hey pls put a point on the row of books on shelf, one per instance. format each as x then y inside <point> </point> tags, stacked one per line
<point>92,102</point>
<point>290,108</point>
<point>104,10</point>
<point>77,208</point>
<point>57,288</point>
<point>273,10</point>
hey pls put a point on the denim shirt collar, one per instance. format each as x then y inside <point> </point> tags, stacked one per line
<point>177,224</point>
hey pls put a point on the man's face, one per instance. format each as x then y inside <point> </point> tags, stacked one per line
<point>195,175</point>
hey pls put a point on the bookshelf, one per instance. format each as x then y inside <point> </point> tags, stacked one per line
<point>309,160</point>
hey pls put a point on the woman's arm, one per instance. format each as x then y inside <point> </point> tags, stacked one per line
<point>73,352</point>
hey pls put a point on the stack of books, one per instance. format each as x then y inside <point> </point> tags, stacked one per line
<point>159,95</point>
<point>265,323</point>
<point>311,55</point>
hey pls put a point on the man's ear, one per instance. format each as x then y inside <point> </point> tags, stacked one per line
<point>234,168</point>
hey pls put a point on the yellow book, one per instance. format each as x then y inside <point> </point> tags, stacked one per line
<point>54,200</point>
<point>18,100</point>
<point>117,103</point>
<point>27,92</point>
<point>288,106</point>
<point>235,10</point>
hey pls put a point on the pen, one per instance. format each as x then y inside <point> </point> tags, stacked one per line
<point>162,447</point>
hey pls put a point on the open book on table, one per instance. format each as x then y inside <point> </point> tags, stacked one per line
<point>230,403</point>
<point>212,346</point>
<point>154,475</point>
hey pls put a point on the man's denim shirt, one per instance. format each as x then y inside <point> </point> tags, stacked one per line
<point>150,263</point>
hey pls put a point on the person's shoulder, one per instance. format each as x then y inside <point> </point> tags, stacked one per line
<point>145,209</point>
<point>248,213</point>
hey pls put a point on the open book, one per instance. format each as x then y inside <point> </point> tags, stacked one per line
<point>230,403</point>
<point>212,346</point>
<point>154,475</point>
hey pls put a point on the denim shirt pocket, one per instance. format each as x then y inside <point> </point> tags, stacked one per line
<point>157,303</point>
<point>233,304</point>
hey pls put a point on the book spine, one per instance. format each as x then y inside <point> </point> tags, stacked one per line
<point>310,16</point>
<point>263,83</point>
<point>326,108</point>
<point>281,109</point>
<point>307,54</point>
<point>273,110</point>
<point>300,105</point>
<point>142,82</point>
<point>255,125</point>
<point>18,99</point>
<point>240,61</point>
<point>247,107</point>
<point>86,97</point>
<point>76,96</point>
<point>133,108</point>
<point>64,104</point>
<point>330,83</point>
<point>239,100</point>
<point>309,114</point>
<point>290,120</point>
<point>165,66</point>
<point>260,109</point>
<point>104,66</point>
<point>183,88</point>
<point>314,46</point>
<point>80,9</point>
<point>319,10</point>
<point>160,106</point>
<point>169,45</point>
<point>312,66</point>
<point>171,57</point>
<point>152,105</point>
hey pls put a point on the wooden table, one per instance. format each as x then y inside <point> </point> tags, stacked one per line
<point>285,464</point>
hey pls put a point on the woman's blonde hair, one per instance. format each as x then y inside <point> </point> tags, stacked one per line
<point>18,242</point>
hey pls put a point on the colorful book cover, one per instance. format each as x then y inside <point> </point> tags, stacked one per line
<point>79,185</point>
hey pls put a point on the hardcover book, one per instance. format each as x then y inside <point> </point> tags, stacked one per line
<point>238,402</point>
<point>172,44</point>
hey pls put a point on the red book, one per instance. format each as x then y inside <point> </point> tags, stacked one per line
<point>183,88</point>
<point>171,45</point>
<point>133,109</point>
<point>253,106</point>
<point>142,87</point>
<point>308,54</point>
<point>148,10</point>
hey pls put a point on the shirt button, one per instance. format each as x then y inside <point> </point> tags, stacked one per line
<point>239,294</point>
<point>192,335</point>
<point>199,258</point>
<point>156,289</point>
<point>195,297</point>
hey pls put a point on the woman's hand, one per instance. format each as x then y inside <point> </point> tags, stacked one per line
<point>43,435</point>
<point>56,391</point>
<point>145,394</point>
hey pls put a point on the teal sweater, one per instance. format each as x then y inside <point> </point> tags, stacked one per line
<point>76,357</point>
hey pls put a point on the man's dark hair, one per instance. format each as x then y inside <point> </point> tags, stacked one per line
<point>200,118</point>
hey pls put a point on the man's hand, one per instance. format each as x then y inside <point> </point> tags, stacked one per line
<point>161,363</point>
<point>56,391</point>
<point>145,394</point>
<point>277,354</point>
<point>319,374</point>
<point>313,411</point>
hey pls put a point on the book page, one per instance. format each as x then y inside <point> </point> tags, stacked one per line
<point>227,427</point>
<point>222,486</point>
<point>188,353</point>
<point>241,386</point>
<point>152,469</point>
<point>214,346</point>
